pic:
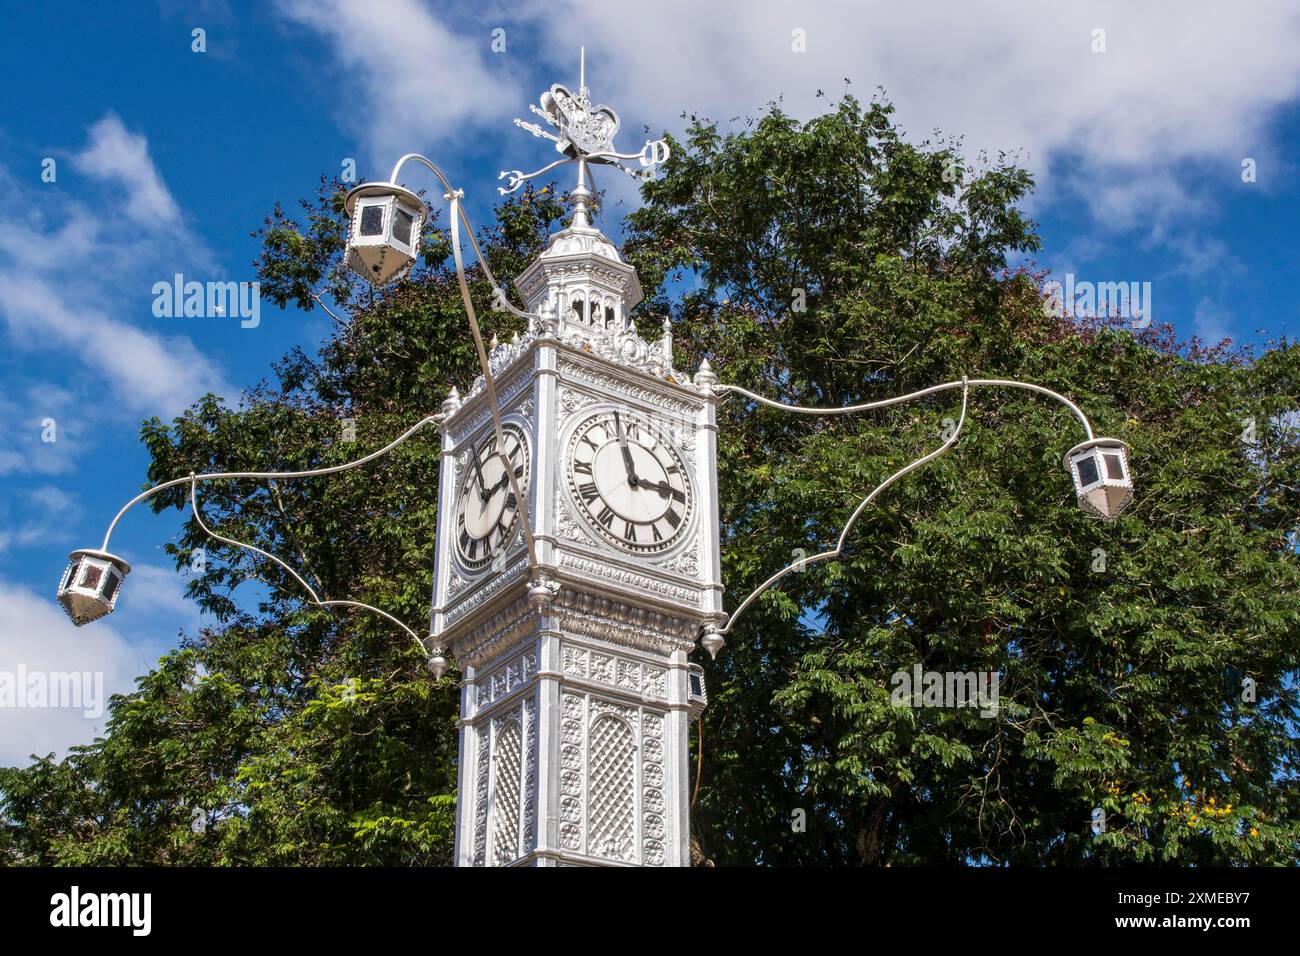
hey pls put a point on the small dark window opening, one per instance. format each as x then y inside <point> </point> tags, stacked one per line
<point>609,316</point>
<point>1088,473</point>
<point>372,220</point>
<point>402,223</point>
<point>90,577</point>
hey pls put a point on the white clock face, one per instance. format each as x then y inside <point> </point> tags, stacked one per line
<point>487,513</point>
<point>630,482</point>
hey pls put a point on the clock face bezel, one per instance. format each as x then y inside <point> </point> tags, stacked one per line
<point>651,525</point>
<point>484,451</point>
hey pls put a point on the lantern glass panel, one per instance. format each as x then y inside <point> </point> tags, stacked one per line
<point>110,585</point>
<point>372,220</point>
<point>1114,467</point>
<point>90,578</point>
<point>402,223</point>
<point>1088,473</point>
<point>70,575</point>
<point>697,685</point>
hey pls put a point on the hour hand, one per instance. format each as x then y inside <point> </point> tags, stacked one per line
<point>668,491</point>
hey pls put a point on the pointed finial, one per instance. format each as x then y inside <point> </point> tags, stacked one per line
<point>437,665</point>
<point>451,404</point>
<point>704,378</point>
<point>582,67</point>
<point>712,641</point>
<point>494,343</point>
<point>666,343</point>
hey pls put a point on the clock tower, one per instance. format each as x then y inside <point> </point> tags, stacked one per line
<point>577,694</point>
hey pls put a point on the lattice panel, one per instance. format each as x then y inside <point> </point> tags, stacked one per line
<point>612,808</point>
<point>507,768</point>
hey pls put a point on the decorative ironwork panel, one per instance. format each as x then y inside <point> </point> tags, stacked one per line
<point>507,767</point>
<point>613,789</point>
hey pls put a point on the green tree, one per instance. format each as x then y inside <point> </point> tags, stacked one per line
<point>822,263</point>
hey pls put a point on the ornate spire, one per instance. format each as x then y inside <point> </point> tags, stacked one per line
<point>579,282</point>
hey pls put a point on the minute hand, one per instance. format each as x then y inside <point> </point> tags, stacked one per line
<point>627,452</point>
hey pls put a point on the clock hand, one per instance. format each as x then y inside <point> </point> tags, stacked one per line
<point>478,466</point>
<point>627,452</point>
<point>666,490</point>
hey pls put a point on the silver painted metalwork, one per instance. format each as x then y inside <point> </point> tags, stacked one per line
<point>311,473</point>
<point>315,598</point>
<point>583,133</point>
<point>1102,483</point>
<point>712,638</point>
<point>868,406</point>
<point>84,606</point>
<point>716,633</point>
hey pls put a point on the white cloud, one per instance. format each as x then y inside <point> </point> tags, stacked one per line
<point>1177,81</point>
<point>75,281</point>
<point>406,78</point>
<point>157,589</point>
<point>151,373</point>
<point>1210,322</point>
<point>36,634</point>
<point>37,639</point>
<point>45,511</point>
<point>118,156</point>
<point>23,418</point>
<point>1181,85</point>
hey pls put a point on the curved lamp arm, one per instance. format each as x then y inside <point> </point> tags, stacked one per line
<point>998,382</point>
<point>862,505</point>
<point>458,217</point>
<point>315,598</point>
<point>453,195</point>
<point>212,476</point>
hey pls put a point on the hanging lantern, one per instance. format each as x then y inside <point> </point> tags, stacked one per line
<point>1102,481</point>
<point>384,237</point>
<point>696,695</point>
<point>91,583</point>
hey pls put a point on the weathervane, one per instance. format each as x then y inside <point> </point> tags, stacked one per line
<point>583,133</point>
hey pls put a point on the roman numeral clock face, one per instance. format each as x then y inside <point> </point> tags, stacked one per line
<point>487,513</point>
<point>630,482</point>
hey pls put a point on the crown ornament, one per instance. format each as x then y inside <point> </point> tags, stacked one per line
<point>584,134</point>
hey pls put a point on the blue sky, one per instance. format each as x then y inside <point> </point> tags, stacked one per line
<point>166,159</point>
